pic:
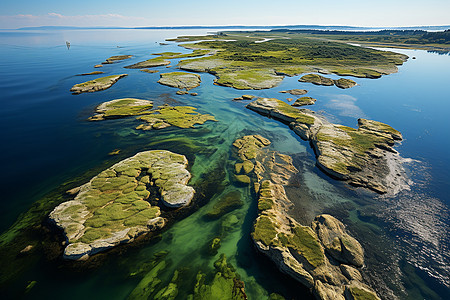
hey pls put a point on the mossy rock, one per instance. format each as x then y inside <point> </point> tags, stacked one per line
<point>317,79</point>
<point>120,108</point>
<point>116,58</point>
<point>111,209</point>
<point>153,62</point>
<point>95,85</point>
<point>344,83</point>
<point>179,116</point>
<point>304,101</point>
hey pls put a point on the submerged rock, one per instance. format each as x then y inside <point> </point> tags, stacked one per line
<point>111,209</point>
<point>229,202</point>
<point>95,85</point>
<point>181,80</point>
<point>119,108</point>
<point>363,157</point>
<point>225,285</point>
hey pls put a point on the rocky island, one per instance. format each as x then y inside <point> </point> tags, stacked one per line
<point>181,80</point>
<point>362,157</point>
<point>296,92</point>
<point>111,208</point>
<point>120,108</point>
<point>149,63</point>
<point>95,85</point>
<point>116,58</point>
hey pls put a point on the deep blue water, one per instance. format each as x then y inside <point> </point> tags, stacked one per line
<point>46,141</point>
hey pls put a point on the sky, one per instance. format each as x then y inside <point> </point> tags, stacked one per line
<point>25,13</point>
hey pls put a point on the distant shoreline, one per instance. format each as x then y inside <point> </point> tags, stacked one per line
<point>318,27</point>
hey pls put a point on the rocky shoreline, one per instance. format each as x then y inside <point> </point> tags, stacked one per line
<point>358,156</point>
<point>95,85</point>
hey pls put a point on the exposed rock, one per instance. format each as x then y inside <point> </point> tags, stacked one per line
<point>116,58</point>
<point>181,80</point>
<point>297,92</point>
<point>180,92</point>
<point>242,179</point>
<point>363,157</point>
<point>179,116</point>
<point>120,108</point>
<point>344,83</point>
<point>298,250</point>
<point>95,85</point>
<point>317,79</point>
<point>111,209</point>
<point>193,94</point>
<point>92,73</point>
<point>98,66</point>
<point>248,97</point>
<point>337,242</point>
<point>304,101</point>
<point>153,62</point>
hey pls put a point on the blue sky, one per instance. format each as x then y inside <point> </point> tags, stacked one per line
<point>21,13</point>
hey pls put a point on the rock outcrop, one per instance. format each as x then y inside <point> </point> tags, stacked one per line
<point>317,79</point>
<point>111,208</point>
<point>323,257</point>
<point>344,83</point>
<point>296,92</point>
<point>304,101</point>
<point>181,80</point>
<point>120,108</point>
<point>95,85</point>
<point>363,157</point>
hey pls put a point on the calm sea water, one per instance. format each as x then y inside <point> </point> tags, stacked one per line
<point>47,141</point>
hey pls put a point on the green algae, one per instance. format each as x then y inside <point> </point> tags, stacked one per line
<point>149,283</point>
<point>225,285</point>
<point>356,293</point>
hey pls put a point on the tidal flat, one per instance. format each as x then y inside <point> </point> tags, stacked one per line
<point>258,187</point>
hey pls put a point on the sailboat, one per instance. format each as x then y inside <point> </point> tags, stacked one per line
<point>68,45</point>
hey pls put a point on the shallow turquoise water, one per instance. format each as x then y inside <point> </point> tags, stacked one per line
<point>47,141</point>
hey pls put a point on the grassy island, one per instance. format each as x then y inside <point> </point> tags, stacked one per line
<point>245,61</point>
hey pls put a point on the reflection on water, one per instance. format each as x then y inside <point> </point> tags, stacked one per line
<point>48,141</point>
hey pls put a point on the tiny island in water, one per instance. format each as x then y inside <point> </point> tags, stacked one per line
<point>198,181</point>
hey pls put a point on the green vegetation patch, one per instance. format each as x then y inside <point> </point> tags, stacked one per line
<point>361,294</point>
<point>265,230</point>
<point>317,79</point>
<point>179,116</point>
<point>304,240</point>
